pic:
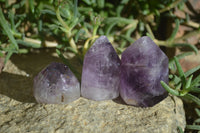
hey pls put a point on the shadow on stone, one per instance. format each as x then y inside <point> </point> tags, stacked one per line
<point>17,87</point>
<point>119,100</point>
<point>13,81</point>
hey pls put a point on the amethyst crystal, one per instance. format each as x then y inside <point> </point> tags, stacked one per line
<point>143,66</point>
<point>56,84</point>
<point>100,75</point>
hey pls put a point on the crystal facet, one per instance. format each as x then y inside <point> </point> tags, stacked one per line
<point>143,66</point>
<point>101,68</point>
<point>56,84</point>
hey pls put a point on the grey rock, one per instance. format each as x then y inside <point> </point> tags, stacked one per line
<point>19,113</point>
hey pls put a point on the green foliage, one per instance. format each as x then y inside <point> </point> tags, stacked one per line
<point>182,84</point>
<point>195,125</point>
<point>29,24</point>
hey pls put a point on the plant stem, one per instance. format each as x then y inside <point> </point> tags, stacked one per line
<point>68,33</point>
<point>149,30</point>
<point>169,43</point>
<point>170,6</point>
<point>160,43</point>
<point>38,42</point>
<point>192,24</point>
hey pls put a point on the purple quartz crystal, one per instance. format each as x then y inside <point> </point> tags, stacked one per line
<point>56,84</point>
<point>101,68</point>
<point>143,66</point>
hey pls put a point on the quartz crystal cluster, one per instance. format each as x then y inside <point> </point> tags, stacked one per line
<point>136,77</point>
<point>56,84</point>
<point>101,71</point>
<point>143,66</point>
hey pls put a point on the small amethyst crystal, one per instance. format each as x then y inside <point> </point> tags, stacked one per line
<point>143,66</point>
<point>56,84</point>
<point>101,68</point>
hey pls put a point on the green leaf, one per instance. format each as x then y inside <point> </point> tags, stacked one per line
<point>12,22</point>
<point>85,9</point>
<point>180,130</point>
<point>8,55</point>
<point>77,35</point>
<point>131,40</point>
<point>193,127</point>
<point>180,56</point>
<point>29,44</point>
<point>100,3</point>
<point>131,30</point>
<point>191,71</point>
<point>124,1</point>
<point>180,71</point>
<point>171,38</point>
<point>120,50</point>
<point>197,120</point>
<point>188,82</point>
<point>73,23</point>
<point>197,112</point>
<point>192,98</point>
<point>195,89</point>
<point>170,90</point>
<point>7,30</point>
<point>119,10</point>
<point>75,8</point>
<point>196,81</point>
<point>87,2</point>
<point>1,54</point>
<point>176,79</point>
<point>109,28</point>
<point>186,45</point>
<point>72,49</point>
<point>110,20</point>
<point>47,11</point>
<point>178,87</point>
<point>23,51</point>
<point>31,4</point>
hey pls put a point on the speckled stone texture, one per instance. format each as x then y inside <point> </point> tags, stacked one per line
<point>1,63</point>
<point>101,69</point>
<point>19,112</point>
<point>143,66</point>
<point>56,84</point>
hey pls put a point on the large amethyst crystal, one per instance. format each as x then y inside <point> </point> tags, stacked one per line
<point>143,66</point>
<point>101,68</point>
<point>56,84</point>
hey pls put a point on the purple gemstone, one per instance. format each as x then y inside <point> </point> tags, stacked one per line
<point>101,68</point>
<point>56,84</point>
<point>143,66</point>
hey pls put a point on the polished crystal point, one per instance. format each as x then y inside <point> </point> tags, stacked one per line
<point>100,74</point>
<point>56,84</point>
<point>143,66</point>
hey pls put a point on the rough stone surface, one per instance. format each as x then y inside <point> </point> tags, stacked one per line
<point>1,63</point>
<point>19,112</point>
<point>56,84</point>
<point>101,70</point>
<point>143,66</point>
